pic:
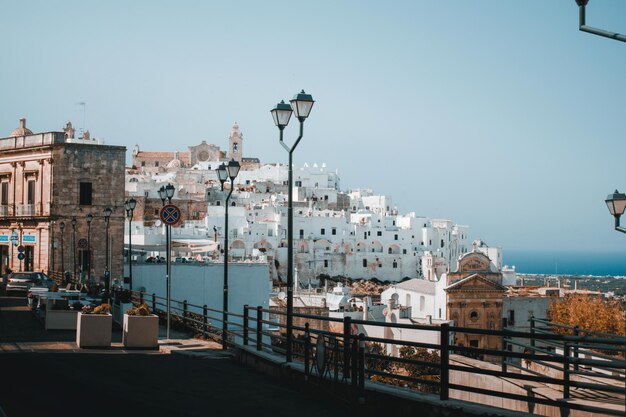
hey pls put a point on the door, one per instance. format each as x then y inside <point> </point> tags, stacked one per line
<point>29,256</point>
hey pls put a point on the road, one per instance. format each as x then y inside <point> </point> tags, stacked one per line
<point>55,378</point>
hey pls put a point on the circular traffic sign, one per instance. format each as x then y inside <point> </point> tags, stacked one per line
<point>20,256</point>
<point>21,248</point>
<point>170,214</point>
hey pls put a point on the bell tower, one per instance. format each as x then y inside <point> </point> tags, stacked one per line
<point>235,143</point>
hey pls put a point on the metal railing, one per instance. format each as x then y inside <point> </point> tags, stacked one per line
<point>345,357</point>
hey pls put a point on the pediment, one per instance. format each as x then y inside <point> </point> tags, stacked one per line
<point>475,282</point>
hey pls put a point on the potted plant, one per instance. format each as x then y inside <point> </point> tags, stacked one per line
<point>140,328</point>
<point>94,327</point>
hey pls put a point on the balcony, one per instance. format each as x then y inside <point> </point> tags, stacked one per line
<point>25,210</point>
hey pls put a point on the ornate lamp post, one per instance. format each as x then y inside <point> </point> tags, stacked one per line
<point>89,220</point>
<point>73,222</point>
<point>130,205</point>
<point>616,203</point>
<point>301,105</point>
<point>107,272</point>
<point>223,173</point>
<point>62,227</point>
<point>167,192</point>
<point>582,24</point>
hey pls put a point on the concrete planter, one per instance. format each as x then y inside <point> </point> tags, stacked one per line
<point>94,330</point>
<point>141,331</point>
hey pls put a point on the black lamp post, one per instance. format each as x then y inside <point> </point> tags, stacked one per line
<point>89,220</point>
<point>223,173</point>
<point>616,203</point>
<point>62,227</point>
<point>107,272</point>
<point>301,105</point>
<point>582,24</point>
<point>73,222</point>
<point>130,205</point>
<point>167,192</point>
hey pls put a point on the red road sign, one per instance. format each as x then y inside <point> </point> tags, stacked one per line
<point>170,214</point>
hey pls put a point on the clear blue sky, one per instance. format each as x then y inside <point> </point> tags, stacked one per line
<point>496,114</point>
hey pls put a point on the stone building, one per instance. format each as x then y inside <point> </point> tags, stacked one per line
<point>474,299</point>
<point>46,180</point>
<point>204,156</point>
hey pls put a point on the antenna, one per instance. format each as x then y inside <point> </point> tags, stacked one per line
<point>84,105</point>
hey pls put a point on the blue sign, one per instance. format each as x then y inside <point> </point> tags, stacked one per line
<point>4,238</point>
<point>20,256</point>
<point>170,214</point>
<point>29,239</point>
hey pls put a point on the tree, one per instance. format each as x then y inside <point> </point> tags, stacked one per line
<point>589,313</point>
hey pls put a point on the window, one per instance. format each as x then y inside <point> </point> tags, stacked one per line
<point>511,317</point>
<point>404,252</point>
<point>301,233</point>
<point>143,163</point>
<point>395,264</point>
<point>270,232</point>
<point>473,316</point>
<point>442,243</point>
<point>389,250</point>
<point>85,194</point>
<point>323,231</point>
<point>439,312</point>
<point>395,237</point>
<point>430,242</point>
<point>298,183</point>
<point>334,231</point>
<point>146,194</point>
<point>156,211</point>
<point>235,147</point>
<point>393,223</point>
<point>364,263</point>
<point>31,192</point>
<point>379,233</point>
<point>4,196</point>
<point>325,263</point>
<point>422,303</point>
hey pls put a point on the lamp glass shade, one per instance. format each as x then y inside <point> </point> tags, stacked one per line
<point>162,194</point>
<point>107,212</point>
<point>62,226</point>
<point>233,169</point>
<point>222,174</point>
<point>616,203</point>
<point>302,104</point>
<point>73,221</point>
<point>281,114</point>
<point>89,218</point>
<point>169,191</point>
<point>132,204</point>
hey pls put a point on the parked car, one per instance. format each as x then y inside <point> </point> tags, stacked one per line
<point>24,281</point>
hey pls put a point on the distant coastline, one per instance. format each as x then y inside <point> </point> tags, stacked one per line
<point>566,262</point>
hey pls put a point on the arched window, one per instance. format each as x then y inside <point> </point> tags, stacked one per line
<point>422,303</point>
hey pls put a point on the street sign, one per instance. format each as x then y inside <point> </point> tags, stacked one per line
<point>20,256</point>
<point>82,243</point>
<point>170,214</point>
<point>29,238</point>
<point>21,248</point>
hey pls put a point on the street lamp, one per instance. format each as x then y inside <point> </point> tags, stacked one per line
<point>62,227</point>
<point>89,220</point>
<point>582,24</point>
<point>223,173</point>
<point>73,222</point>
<point>616,203</point>
<point>167,192</point>
<point>301,105</point>
<point>107,273</point>
<point>130,205</point>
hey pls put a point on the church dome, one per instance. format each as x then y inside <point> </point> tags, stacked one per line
<point>22,130</point>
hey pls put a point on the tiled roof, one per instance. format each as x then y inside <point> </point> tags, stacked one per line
<point>419,285</point>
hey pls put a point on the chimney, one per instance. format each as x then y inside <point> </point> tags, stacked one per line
<point>23,123</point>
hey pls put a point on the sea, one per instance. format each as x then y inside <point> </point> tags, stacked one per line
<point>566,262</point>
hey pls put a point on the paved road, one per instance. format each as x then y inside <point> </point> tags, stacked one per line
<point>72,382</point>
